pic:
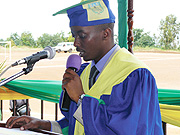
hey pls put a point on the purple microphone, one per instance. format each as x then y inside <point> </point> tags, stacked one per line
<point>74,63</point>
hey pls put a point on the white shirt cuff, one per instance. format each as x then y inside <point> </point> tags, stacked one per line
<point>55,127</point>
<point>78,114</point>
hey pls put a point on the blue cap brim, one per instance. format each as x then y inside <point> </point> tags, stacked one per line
<point>64,11</point>
<point>89,13</point>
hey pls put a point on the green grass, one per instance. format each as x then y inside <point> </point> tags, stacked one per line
<point>154,49</point>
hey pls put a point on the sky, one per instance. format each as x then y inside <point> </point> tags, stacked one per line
<point>35,16</point>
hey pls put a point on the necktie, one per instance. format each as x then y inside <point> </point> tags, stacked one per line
<point>92,78</point>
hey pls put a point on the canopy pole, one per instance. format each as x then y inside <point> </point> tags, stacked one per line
<point>122,23</point>
<point>130,37</point>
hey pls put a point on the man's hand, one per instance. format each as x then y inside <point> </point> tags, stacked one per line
<point>27,122</point>
<point>73,85</point>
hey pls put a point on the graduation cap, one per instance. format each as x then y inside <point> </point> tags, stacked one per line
<point>89,12</point>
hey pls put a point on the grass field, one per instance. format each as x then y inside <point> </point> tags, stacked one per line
<point>164,65</point>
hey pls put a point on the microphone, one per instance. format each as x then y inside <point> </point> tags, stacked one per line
<point>48,53</point>
<point>74,63</point>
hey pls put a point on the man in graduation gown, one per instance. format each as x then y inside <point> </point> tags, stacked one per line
<point>124,98</point>
<point>121,99</point>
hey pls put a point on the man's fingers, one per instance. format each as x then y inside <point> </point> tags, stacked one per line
<point>67,76</point>
<point>18,121</point>
<point>70,71</point>
<point>9,121</point>
<point>25,122</point>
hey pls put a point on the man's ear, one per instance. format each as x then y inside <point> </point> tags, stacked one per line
<point>107,33</point>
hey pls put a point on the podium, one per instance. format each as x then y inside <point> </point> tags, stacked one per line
<point>16,131</point>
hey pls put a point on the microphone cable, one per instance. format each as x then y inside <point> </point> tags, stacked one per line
<point>5,70</point>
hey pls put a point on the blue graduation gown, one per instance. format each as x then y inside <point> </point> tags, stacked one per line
<point>131,109</point>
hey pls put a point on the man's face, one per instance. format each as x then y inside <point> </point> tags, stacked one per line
<point>89,42</point>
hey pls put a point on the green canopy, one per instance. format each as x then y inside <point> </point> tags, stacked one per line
<point>50,90</point>
<point>169,96</point>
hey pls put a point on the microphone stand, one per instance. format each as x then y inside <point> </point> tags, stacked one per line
<point>25,71</point>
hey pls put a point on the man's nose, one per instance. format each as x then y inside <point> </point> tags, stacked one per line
<point>76,42</point>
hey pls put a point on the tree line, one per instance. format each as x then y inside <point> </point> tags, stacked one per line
<point>167,39</point>
<point>26,39</point>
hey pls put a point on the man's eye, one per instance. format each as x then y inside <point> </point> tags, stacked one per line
<point>82,36</point>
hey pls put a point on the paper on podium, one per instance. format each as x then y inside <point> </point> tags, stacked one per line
<point>17,131</point>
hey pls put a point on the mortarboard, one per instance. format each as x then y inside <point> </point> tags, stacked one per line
<point>89,12</point>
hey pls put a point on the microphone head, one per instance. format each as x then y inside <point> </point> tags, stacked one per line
<point>50,52</point>
<point>74,61</point>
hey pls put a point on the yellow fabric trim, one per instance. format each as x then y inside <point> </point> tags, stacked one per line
<point>116,71</point>
<point>96,10</point>
<point>7,94</point>
<point>123,63</point>
<point>170,114</point>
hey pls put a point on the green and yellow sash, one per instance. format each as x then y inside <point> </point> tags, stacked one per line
<point>116,71</point>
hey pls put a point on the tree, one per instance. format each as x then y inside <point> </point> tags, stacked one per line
<point>44,40</point>
<point>142,39</point>
<point>49,40</point>
<point>70,38</point>
<point>27,40</point>
<point>12,43</point>
<point>62,36</point>
<point>137,34</point>
<point>116,40</point>
<point>15,39</point>
<point>56,38</point>
<point>145,40</point>
<point>169,31</point>
<point>53,40</point>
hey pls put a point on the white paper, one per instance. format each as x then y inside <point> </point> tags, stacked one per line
<point>17,131</point>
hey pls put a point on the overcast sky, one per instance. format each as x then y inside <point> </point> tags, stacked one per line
<point>36,17</point>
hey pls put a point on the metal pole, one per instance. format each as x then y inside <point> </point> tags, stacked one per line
<point>42,109</point>
<point>1,110</point>
<point>164,127</point>
<point>14,107</point>
<point>56,111</point>
<point>3,82</point>
<point>27,107</point>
